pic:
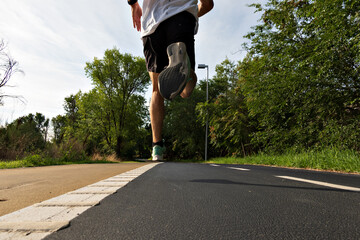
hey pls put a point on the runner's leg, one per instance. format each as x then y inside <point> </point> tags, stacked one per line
<point>189,86</point>
<point>156,109</point>
<point>180,28</point>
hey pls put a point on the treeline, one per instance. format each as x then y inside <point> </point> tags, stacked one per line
<point>24,136</point>
<point>112,117</point>
<point>298,88</point>
<point>301,75</point>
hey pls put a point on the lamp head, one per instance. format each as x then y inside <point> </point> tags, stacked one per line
<point>202,66</point>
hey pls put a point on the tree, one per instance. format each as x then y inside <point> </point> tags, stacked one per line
<point>227,112</point>
<point>302,71</point>
<point>185,119</point>
<point>183,133</point>
<point>112,116</point>
<point>25,135</point>
<point>42,124</point>
<point>8,66</point>
<point>95,124</point>
<point>119,79</point>
<point>71,108</point>
<point>58,123</point>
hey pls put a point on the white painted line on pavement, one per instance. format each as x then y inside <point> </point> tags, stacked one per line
<point>39,220</point>
<point>240,169</point>
<point>214,165</point>
<point>331,185</point>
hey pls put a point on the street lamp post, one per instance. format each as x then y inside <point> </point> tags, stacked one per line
<point>203,66</point>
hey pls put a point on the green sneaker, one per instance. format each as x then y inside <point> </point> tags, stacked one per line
<point>158,153</point>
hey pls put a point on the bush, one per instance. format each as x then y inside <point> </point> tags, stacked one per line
<point>23,136</point>
<point>35,160</point>
<point>342,135</point>
<point>72,151</point>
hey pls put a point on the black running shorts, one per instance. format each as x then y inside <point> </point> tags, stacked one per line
<point>179,28</point>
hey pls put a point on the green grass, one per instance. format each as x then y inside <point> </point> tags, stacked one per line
<point>37,161</point>
<point>326,159</point>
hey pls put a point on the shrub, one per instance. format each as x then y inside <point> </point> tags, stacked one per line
<point>72,151</point>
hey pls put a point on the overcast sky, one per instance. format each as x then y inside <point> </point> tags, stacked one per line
<point>53,39</point>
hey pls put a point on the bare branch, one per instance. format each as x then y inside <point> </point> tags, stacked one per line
<point>8,67</point>
<point>18,97</point>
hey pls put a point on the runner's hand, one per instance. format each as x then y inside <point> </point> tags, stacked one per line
<point>136,16</point>
<point>204,7</point>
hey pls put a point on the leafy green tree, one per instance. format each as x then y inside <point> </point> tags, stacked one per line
<point>185,119</point>
<point>183,133</point>
<point>120,79</point>
<point>23,136</point>
<point>227,112</point>
<point>58,123</point>
<point>96,129</point>
<point>42,124</point>
<point>225,80</point>
<point>302,71</point>
<point>71,108</point>
<point>112,116</point>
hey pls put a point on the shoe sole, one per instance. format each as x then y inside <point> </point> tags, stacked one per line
<point>173,79</point>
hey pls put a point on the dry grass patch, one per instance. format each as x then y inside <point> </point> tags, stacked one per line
<point>109,158</point>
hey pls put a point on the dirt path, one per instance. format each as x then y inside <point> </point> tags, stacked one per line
<point>23,187</point>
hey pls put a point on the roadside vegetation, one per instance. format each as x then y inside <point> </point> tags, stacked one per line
<point>329,159</point>
<point>39,161</point>
<point>294,101</point>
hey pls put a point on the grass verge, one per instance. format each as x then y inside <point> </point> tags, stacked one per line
<point>37,161</point>
<point>326,159</point>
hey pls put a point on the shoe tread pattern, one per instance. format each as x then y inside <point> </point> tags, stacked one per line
<point>173,79</point>
<point>170,88</point>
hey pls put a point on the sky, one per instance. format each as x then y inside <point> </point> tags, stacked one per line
<point>52,40</point>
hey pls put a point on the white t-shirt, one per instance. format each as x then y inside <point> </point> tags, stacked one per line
<point>156,11</point>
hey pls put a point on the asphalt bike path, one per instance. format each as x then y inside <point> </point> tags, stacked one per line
<point>203,201</point>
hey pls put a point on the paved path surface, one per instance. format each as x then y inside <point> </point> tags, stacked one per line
<point>23,187</point>
<point>197,201</point>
